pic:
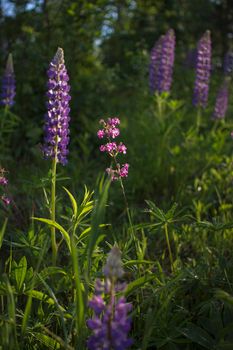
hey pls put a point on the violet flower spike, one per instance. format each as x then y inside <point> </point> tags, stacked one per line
<point>221,103</point>
<point>165,68</point>
<point>8,84</point>
<point>155,58</point>
<point>228,63</point>
<point>110,323</point>
<point>57,118</point>
<point>203,68</point>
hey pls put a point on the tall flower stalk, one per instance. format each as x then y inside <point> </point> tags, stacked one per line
<point>56,128</point>
<point>161,69</point>
<point>110,323</point>
<point>8,84</point>
<point>116,171</point>
<point>221,103</point>
<point>162,62</point>
<point>203,70</point>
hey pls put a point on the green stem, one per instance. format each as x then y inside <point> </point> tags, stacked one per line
<point>2,128</point>
<point>127,207</point>
<point>129,215</point>
<point>169,247</point>
<point>198,119</point>
<point>53,209</point>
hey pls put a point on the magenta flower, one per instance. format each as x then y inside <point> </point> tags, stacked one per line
<point>203,68</point>
<point>110,131</point>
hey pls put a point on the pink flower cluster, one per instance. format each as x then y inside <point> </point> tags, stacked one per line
<point>111,131</point>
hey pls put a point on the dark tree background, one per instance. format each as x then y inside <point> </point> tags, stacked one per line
<point>106,44</point>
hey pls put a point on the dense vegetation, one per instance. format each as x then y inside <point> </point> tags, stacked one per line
<point>171,217</point>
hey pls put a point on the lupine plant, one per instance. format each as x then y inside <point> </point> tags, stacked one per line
<point>221,103</point>
<point>110,324</point>
<point>161,68</point>
<point>162,61</point>
<point>203,70</point>
<point>56,127</point>
<point>8,84</point>
<point>228,63</point>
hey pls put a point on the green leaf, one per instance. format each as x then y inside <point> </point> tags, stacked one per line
<point>59,227</point>
<point>20,272</point>
<point>221,294</point>
<point>47,341</point>
<point>36,294</point>
<point>138,283</point>
<point>73,202</point>
<point>155,211</point>
<point>2,232</point>
<point>137,262</point>
<point>97,217</point>
<point>199,336</point>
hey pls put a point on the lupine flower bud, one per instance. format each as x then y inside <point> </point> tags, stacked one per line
<point>221,103</point>
<point>110,324</point>
<point>113,267</point>
<point>162,61</point>
<point>203,67</point>
<point>57,117</point>
<point>8,84</point>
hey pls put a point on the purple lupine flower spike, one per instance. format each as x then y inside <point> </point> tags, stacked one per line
<point>221,103</point>
<point>8,84</point>
<point>57,117</point>
<point>203,68</point>
<point>228,63</point>
<point>155,58</point>
<point>161,64</point>
<point>110,323</point>
<point>165,69</point>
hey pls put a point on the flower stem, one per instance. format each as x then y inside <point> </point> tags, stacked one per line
<point>169,247</point>
<point>128,215</point>
<point>53,209</point>
<point>198,119</point>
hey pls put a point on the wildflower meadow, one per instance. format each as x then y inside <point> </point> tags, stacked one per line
<point>116,175</point>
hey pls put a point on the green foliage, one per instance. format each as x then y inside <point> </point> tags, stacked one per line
<point>176,235</point>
